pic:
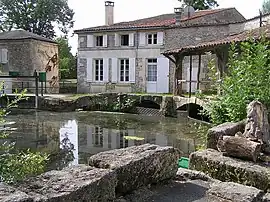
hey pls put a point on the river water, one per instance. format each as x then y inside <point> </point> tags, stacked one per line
<point>72,137</point>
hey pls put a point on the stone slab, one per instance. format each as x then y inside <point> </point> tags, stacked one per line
<point>138,166</point>
<point>226,129</point>
<point>10,194</point>
<point>75,184</point>
<point>223,168</point>
<point>233,192</point>
<point>187,174</point>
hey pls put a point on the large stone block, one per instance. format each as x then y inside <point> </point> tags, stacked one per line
<point>227,169</point>
<point>139,165</point>
<point>233,192</point>
<point>10,194</point>
<point>74,184</point>
<point>226,129</point>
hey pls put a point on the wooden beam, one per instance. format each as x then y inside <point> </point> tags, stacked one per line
<point>199,72</point>
<point>178,74</point>
<point>190,75</point>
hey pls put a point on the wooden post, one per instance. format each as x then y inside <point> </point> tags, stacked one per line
<point>36,82</point>
<point>178,74</point>
<point>190,75</point>
<point>199,72</point>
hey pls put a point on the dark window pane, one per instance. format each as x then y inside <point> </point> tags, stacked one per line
<point>155,41</point>
<point>127,78</point>
<point>101,62</point>
<point>121,78</point>
<point>122,62</point>
<point>127,62</point>
<point>125,40</point>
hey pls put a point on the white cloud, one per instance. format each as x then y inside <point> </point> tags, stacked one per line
<point>90,13</point>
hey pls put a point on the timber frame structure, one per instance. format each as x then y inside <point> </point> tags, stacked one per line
<point>218,47</point>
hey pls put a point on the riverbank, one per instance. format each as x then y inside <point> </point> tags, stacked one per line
<point>110,176</point>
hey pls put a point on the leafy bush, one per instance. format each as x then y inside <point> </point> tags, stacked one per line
<point>248,79</point>
<point>16,165</point>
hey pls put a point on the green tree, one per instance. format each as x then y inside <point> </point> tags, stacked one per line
<point>201,4</point>
<point>266,6</point>
<point>37,16</point>
<point>67,62</point>
<point>247,80</point>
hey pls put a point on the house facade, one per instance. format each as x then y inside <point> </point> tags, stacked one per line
<point>126,56</point>
<point>23,52</point>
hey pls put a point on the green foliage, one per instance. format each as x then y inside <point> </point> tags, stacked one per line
<point>201,4</point>
<point>67,62</point>
<point>247,80</point>
<point>266,6</point>
<point>16,165</point>
<point>37,16</point>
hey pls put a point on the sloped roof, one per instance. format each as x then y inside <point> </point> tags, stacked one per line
<point>164,20</point>
<point>243,36</point>
<point>22,34</point>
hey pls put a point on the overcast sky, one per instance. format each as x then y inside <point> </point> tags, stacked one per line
<point>90,13</point>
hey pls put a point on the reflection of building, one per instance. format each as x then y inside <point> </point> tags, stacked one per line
<point>102,139</point>
<point>68,135</point>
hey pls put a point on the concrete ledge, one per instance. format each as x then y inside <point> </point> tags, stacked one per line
<point>139,166</point>
<point>223,168</point>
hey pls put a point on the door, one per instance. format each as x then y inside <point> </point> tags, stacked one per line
<point>193,77</point>
<point>151,75</point>
<point>158,75</point>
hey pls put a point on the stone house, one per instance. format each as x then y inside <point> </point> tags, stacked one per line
<point>183,54</point>
<point>126,56</point>
<point>23,52</point>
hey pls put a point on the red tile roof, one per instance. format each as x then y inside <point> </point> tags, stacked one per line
<point>165,20</point>
<point>243,36</point>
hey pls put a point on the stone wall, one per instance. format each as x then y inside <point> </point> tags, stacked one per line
<point>19,56</point>
<point>41,53</point>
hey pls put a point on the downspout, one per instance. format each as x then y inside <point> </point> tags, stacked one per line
<point>136,54</point>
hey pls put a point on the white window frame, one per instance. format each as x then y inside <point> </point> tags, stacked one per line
<point>96,41</point>
<point>98,70</point>
<point>152,62</point>
<point>125,69</point>
<point>152,37</point>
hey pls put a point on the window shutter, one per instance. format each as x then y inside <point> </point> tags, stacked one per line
<point>89,69</point>
<point>114,70</point>
<point>4,56</point>
<point>117,39</point>
<point>142,39</point>
<point>105,40</point>
<point>106,69</point>
<point>132,70</point>
<point>90,41</point>
<point>160,36</point>
<point>163,75</point>
<point>131,39</point>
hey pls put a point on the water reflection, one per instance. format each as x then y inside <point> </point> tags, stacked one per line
<point>71,138</point>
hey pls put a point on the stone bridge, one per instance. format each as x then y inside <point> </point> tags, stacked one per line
<point>178,101</point>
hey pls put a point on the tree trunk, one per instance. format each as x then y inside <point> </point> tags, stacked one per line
<point>239,147</point>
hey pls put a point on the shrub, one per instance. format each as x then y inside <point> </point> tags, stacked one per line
<point>16,165</point>
<point>248,79</point>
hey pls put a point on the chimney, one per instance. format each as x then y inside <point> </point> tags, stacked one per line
<point>178,15</point>
<point>109,12</point>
